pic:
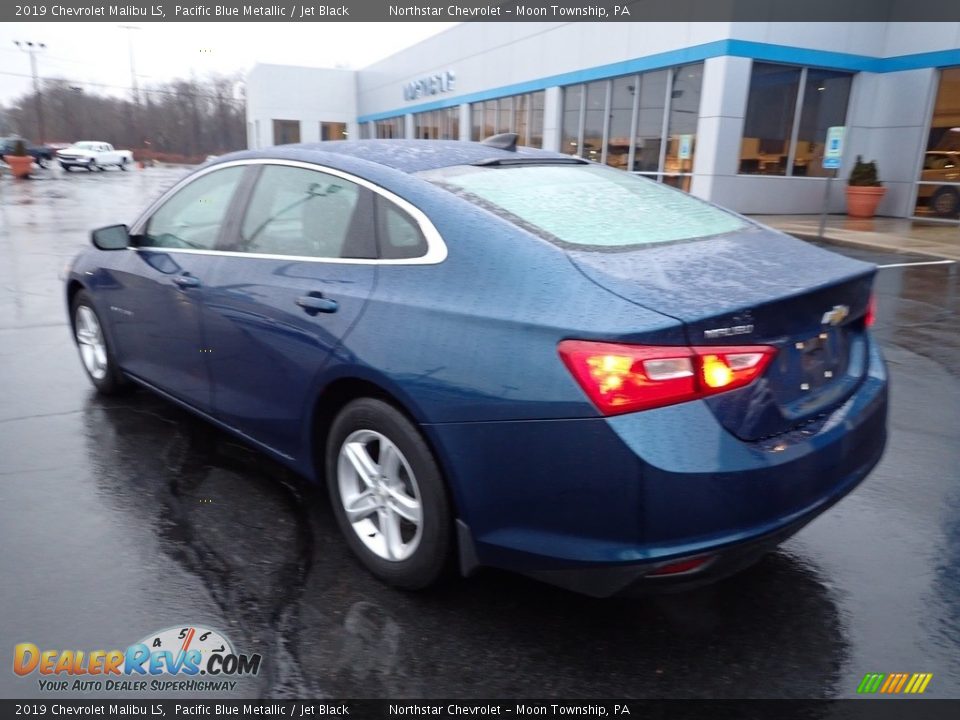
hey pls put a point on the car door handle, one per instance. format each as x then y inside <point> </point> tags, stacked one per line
<point>186,281</point>
<point>312,304</point>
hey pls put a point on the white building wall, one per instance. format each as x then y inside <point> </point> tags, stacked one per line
<point>309,95</point>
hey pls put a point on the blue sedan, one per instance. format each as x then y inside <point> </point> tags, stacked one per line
<point>499,356</point>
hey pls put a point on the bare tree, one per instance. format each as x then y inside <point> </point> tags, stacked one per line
<point>186,117</point>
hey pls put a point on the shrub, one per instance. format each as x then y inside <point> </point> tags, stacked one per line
<point>864,174</point>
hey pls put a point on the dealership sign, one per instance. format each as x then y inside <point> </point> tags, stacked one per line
<point>442,82</point>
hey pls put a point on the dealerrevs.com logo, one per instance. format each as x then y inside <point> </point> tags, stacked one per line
<point>185,659</point>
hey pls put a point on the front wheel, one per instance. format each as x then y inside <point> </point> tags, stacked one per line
<point>66,168</point>
<point>95,351</point>
<point>92,166</point>
<point>388,494</point>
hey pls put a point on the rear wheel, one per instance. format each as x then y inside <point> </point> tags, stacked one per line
<point>66,168</point>
<point>388,495</point>
<point>95,351</point>
<point>123,164</point>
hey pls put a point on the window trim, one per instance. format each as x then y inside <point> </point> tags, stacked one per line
<point>436,247</point>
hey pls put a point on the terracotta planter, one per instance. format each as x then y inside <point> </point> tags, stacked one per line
<point>19,165</point>
<point>862,201</point>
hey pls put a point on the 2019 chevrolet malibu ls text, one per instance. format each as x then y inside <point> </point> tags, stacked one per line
<point>499,356</point>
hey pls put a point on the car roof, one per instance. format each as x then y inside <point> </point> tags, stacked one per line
<point>408,156</point>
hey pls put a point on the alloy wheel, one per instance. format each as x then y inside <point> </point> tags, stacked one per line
<point>93,349</point>
<point>380,495</point>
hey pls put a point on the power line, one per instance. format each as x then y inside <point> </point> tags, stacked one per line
<point>148,91</point>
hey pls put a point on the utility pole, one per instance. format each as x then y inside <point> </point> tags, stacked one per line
<point>133,69</point>
<point>33,48</point>
<point>134,86</point>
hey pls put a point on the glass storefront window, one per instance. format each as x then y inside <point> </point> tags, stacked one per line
<point>333,131</point>
<point>621,115</point>
<point>938,188</point>
<point>522,114</point>
<point>825,97</point>
<point>476,121</point>
<point>443,124</point>
<point>768,125</point>
<point>647,139</point>
<point>621,122</point>
<point>489,118</point>
<point>505,115</point>
<point>782,138</point>
<point>682,128</point>
<point>390,128</point>
<point>521,109</point>
<point>594,120</point>
<point>570,132</point>
<point>286,132</point>
<point>536,119</point>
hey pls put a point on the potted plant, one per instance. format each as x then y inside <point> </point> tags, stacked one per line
<point>864,189</point>
<point>19,161</point>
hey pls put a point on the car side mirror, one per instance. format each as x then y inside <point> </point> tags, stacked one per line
<point>112,237</point>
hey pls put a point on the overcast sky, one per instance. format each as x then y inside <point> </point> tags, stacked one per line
<point>96,54</point>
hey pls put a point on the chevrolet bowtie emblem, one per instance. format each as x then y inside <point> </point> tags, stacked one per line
<point>835,315</point>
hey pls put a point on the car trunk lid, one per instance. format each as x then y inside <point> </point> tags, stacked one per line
<point>756,287</point>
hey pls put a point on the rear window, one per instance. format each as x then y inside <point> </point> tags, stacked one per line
<point>587,205</point>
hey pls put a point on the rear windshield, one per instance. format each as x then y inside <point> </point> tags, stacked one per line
<point>587,205</point>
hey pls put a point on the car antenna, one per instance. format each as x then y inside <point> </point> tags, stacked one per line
<point>503,141</point>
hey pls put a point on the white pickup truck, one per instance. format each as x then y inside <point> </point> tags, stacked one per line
<point>93,155</point>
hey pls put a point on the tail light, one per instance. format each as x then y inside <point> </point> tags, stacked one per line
<point>871,314</point>
<point>625,378</point>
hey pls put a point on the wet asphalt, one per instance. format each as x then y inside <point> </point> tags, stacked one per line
<point>121,517</point>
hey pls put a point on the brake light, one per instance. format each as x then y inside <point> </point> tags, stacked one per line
<point>620,378</point>
<point>871,314</point>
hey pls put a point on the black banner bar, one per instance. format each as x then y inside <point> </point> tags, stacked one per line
<point>476,10</point>
<point>144,709</point>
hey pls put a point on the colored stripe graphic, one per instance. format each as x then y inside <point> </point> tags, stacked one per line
<point>894,683</point>
<point>870,683</point>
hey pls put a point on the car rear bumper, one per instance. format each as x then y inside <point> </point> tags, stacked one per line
<point>597,504</point>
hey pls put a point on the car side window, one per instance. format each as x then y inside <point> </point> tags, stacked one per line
<point>192,217</point>
<point>306,213</point>
<point>398,234</point>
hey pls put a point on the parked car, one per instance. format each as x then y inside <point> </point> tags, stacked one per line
<point>941,166</point>
<point>93,155</point>
<point>499,357</point>
<point>41,154</point>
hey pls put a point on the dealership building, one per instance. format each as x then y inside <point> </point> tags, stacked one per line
<point>734,112</point>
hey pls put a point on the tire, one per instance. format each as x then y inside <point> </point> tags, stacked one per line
<point>98,362</point>
<point>421,553</point>
<point>42,162</point>
<point>945,202</point>
<point>66,168</point>
<point>123,165</point>
<point>92,166</point>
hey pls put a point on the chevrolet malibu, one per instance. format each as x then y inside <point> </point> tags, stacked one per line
<point>499,356</point>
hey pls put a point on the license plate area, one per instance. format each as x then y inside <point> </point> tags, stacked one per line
<point>821,359</point>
